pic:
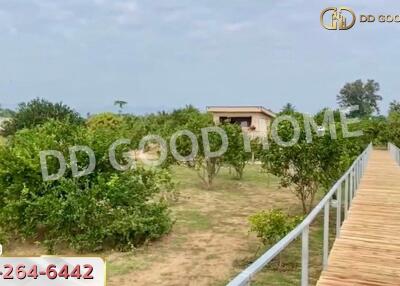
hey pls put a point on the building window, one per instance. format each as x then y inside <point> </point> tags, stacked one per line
<point>242,121</point>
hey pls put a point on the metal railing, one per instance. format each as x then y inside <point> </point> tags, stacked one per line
<point>349,182</point>
<point>395,152</point>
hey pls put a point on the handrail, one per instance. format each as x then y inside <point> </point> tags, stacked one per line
<point>351,180</point>
<point>395,152</point>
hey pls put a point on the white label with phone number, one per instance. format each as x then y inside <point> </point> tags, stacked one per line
<point>52,271</point>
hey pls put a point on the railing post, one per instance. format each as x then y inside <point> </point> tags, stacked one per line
<point>352,184</point>
<point>346,196</point>
<point>338,210</point>
<point>325,251</point>
<point>356,179</point>
<point>356,175</point>
<point>304,256</point>
<point>350,188</point>
<point>398,156</point>
<point>364,164</point>
<point>355,182</point>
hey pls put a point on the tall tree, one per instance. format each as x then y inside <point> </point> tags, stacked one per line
<point>288,108</point>
<point>363,95</point>
<point>120,104</point>
<point>394,106</point>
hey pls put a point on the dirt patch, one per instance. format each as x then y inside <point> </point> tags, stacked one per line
<point>203,259</point>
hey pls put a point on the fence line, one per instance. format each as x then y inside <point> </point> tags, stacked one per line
<point>348,183</point>
<point>395,152</point>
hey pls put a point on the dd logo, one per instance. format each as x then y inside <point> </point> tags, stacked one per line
<point>341,18</point>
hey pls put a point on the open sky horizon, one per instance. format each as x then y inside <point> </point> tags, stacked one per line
<point>160,55</point>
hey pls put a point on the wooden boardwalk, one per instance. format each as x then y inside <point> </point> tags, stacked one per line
<point>367,252</point>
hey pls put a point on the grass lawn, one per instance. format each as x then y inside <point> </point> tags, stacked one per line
<point>2,140</point>
<point>210,243</point>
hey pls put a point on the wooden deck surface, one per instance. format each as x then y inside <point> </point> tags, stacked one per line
<point>368,250</point>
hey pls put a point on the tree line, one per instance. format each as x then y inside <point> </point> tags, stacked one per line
<point>125,209</point>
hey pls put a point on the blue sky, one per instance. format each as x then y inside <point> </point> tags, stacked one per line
<point>162,54</point>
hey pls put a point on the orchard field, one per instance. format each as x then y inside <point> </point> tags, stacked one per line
<point>198,221</point>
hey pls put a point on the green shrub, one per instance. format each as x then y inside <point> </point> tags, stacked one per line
<point>273,225</point>
<point>105,120</point>
<point>106,209</point>
<point>112,212</point>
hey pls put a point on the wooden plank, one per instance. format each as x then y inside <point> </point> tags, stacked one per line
<point>368,250</point>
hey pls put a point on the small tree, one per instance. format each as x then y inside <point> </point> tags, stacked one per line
<point>303,167</point>
<point>207,167</point>
<point>236,155</point>
<point>273,225</point>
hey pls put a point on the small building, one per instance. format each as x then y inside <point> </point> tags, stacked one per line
<point>255,120</point>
